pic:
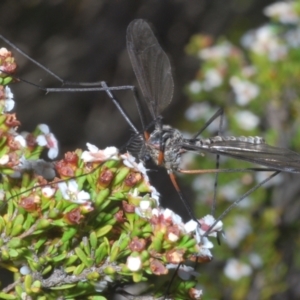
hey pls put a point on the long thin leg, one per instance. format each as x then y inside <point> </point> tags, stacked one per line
<point>205,171</point>
<point>91,86</point>
<point>119,107</point>
<point>218,113</point>
<point>235,203</point>
<point>214,202</point>
<point>47,70</point>
<point>95,88</point>
<point>185,203</point>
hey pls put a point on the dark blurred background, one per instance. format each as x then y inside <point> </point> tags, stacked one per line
<point>86,41</point>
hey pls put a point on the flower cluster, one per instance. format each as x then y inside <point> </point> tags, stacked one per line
<point>257,85</point>
<point>75,227</point>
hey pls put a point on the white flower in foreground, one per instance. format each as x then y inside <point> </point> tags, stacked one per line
<point>96,155</point>
<point>204,244</point>
<point>4,159</point>
<point>169,214</point>
<point>196,293</point>
<point>21,140</point>
<point>246,119</point>
<point>155,194</point>
<point>9,102</point>
<point>3,51</point>
<point>244,90</point>
<point>48,191</point>
<point>2,195</point>
<point>130,162</point>
<point>134,263</point>
<point>235,269</point>
<point>145,209</point>
<point>48,139</point>
<point>70,192</point>
<point>283,11</point>
<point>25,270</point>
<point>206,225</point>
<point>190,226</point>
<point>145,204</point>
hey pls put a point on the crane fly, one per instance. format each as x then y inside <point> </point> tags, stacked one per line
<point>165,144</point>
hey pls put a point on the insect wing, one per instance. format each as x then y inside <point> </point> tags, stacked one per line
<point>151,66</point>
<point>263,154</point>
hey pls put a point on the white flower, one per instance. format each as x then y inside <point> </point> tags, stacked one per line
<point>255,260</point>
<point>293,37</point>
<point>206,243</point>
<point>216,52</point>
<point>96,155</point>
<point>197,293</point>
<point>249,71</point>
<point>230,190</point>
<point>48,191</point>
<point>197,111</point>
<point>3,51</point>
<point>48,139</point>
<point>206,223</point>
<point>145,204</point>
<point>2,195</point>
<point>4,159</point>
<point>145,208</point>
<point>283,11</point>
<point>21,140</point>
<point>9,102</point>
<point>190,226</point>
<point>155,194</point>
<point>176,219</point>
<point>246,120</point>
<point>235,269</point>
<point>195,87</point>
<point>134,263</point>
<point>212,79</point>
<point>70,192</point>
<point>25,270</point>
<point>204,251</point>
<point>260,176</point>
<point>264,41</point>
<point>237,232</point>
<point>244,90</point>
<point>129,161</point>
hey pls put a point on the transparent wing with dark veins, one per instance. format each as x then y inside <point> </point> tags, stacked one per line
<point>263,154</point>
<point>151,66</point>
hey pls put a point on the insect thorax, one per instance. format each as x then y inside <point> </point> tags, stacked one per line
<point>169,141</point>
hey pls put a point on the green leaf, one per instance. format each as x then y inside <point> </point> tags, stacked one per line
<point>7,296</point>
<point>103,230</point>
<point>87,261</point>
